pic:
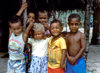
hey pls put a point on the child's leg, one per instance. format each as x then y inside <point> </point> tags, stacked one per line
<point>56,70</point>
<point>44,64</point>
<point>35,65</point>
<point>16,66</point>
<point>22,67</point>
<point>9,68</point>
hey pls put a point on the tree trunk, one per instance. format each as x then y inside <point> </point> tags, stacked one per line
<point>96,27</point>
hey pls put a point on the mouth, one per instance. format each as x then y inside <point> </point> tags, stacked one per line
<point>74,29</point>
<point>55,33</point>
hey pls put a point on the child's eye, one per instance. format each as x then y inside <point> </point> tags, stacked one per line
<point>40,17</point>
<point>52,28</point>
<point>33,18</point>
<point>77,24</point>
<point>28,17</point>
<point>71,24</point>
<point>57,27</point>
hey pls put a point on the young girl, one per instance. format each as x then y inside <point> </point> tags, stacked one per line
<point>43,19</point>
<point>39,63</point>
<point>56,49</point>
<point>17,40</point>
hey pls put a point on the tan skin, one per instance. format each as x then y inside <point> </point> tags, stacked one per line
<point>38,35</point>
<point>76,41</point>
<point>23,7</point>
<point>30,15</point>
<point>56,29</point>
<point>43,19</point>
<point>17,29</point>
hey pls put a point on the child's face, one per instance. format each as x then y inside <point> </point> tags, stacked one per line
<point>38,35</point>
<point>55,29</point>
<point>31,17</point>
<point>16,28</point>
<point>74,24</point>
<point>42,17</point>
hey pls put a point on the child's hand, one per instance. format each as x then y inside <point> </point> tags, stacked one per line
<point>29,21</point>
<point>46,26</point>
<point>62,66</point>
<point>24,6</point>
<point>72,60</point>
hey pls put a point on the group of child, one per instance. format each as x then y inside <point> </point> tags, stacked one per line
<point>51,53</point>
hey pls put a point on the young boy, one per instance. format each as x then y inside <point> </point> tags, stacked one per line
<point>76,42</point>
<point>56,49</point>
<point>17,40</point>
<point>43,19</point>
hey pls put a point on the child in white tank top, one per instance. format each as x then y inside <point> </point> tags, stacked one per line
<point>17,40</point>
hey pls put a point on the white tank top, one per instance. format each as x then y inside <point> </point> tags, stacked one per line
<point>39,47</point>
<point>16,47</point>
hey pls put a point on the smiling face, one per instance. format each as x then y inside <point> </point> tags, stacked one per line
<point>42,17</point>
<point>38,35</point>
<point>74,24</point>
<point>16,28</point>
<point>55,29</point>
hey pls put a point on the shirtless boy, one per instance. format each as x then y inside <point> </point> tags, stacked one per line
<point>76,43</point>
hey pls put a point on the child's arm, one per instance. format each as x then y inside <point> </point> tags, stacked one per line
<point>46,26</point>
<point>71,59</point>
<point>83,47</point>
<point>25,34</point>
<point>62,59</point>
<point>23,7</point>
<point>63,52</point>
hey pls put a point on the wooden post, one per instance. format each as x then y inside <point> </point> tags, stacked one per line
<point>87,25</point>
<point>24,16</point>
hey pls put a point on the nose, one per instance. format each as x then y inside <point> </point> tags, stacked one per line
<point>31,18</point>
<point>55,29</point>
<point>74,25</point>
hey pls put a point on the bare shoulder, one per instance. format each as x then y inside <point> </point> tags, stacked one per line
<point>82,35</point>
<point>67,35</point>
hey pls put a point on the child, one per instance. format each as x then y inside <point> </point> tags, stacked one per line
<point>30,15</point>
<point>39,63</point>
<point>17,40</point>
<point>76,42</point>
<point>56,49</point>
<point>43,19</point>
<point>30,18</point>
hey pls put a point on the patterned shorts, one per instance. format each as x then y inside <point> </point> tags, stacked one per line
<point>16,66</point>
